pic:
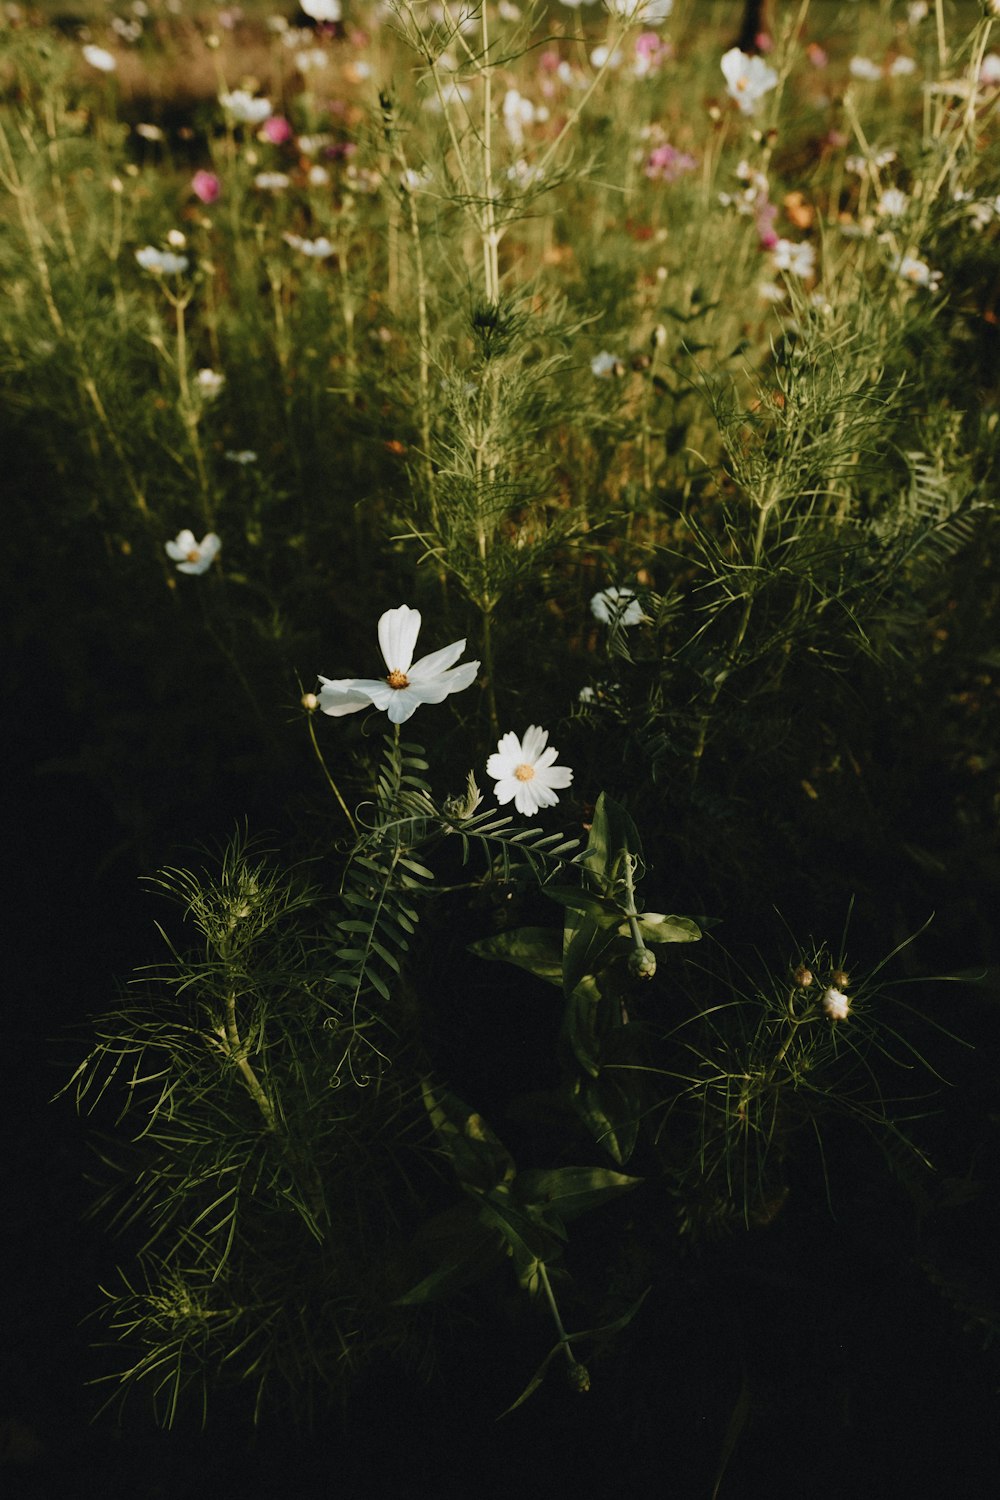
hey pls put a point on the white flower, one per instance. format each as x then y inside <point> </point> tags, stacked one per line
<point>648,12</point>
<point>322,10</point>
<point>272,182</point>
<point>916,12</point>
<point>797,259</point>
<point>893,203</point>
<point>161,262</point>
<point>191,556</point>
<point>100,59</point>
<point>244,108</point>
<point>209,382</point>
<point>243,457</point>
<point>311,58</point>
<point>615,606</point>
<point>517,112</point>
<point>586,695</point>
<point>604,365</point>
<point>748,79</point>
<point>770,291</point>
<point>524,772</point>
<point>917,271</point>
<point>408,683</point>
<point>902,67</point>
<point>316,249</point>
<point>604,57</point>
<point>989,73</point>
<point>864,70</point>
<point>836,1004</point>
<point>318,176</point>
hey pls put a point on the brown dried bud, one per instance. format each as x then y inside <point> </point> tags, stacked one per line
<point>803,977</point>
<point>840,979</point>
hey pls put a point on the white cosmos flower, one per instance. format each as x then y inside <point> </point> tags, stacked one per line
<point>836,1005</point>
<point>161,262</point>
<point>604,365</point>
<point>99,58</point>
<point>322,10</point>
<point>524,771</point>
<point>408,683</point>
<point>617,607</point>
<point>864,70</point>
<point>244,108</point>
<point>209,382</point>
<point>748,78</point>
<point>191,556</point>
<point>797,259</point>
<point>918,272</point>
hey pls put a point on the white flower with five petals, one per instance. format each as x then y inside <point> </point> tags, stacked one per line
<point>408,683</point>
<point>524,771</point>
<point>748,78</point>
<point>191,556</point>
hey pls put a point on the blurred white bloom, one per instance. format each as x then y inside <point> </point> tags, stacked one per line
<point>796,259</point>
<point>648,12</point>
<point>603,56</point>
<point>311,58</point>
<point>176,239</point>
<point>452,92</point>
<point>614,606</point>
<point>586,695</point>
<point>209,382</point>
<point>244,108</point>
<point>604,365</point>
<point>318,249</point>
<point>917,271</point>
<point>517,112</point>
<point>893,203</point>
<point>148,132</point>
<point>243,457</point>
<point>916,12</point>
<point>408,684</point>
<point>322,10</point>
<point>99,58</point>
<point>748,79</point>
<point>770,291</point>
<point>836,1004</point>
<point>272,182</point>
<point>984,212</point>
<point>509,12</point>
<point>525,773</point>
<point>318,177</point>
<point>310,144</point>
<point>191,556</point>
<point>989,72</point>
<point>902,67</point>
<point>863,69</point>
<point>161,262</point>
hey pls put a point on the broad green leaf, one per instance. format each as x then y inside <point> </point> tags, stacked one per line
<point>465,1247</point>
<point>582,1024</point>
<point>480,1158</point>
<point>598,908</point>
<point>536,949</point>
<point>609,1114</point>
<point>656,928</point>
<point>584,944</point>
<point>611,832</point>
<point>525,1231</point>
<point>571,1190</point>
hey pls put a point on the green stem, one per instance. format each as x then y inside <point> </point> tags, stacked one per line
<point>326,772</point>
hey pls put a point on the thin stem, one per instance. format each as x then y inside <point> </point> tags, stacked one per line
<point>326,772</point>
<point>237,1053</point>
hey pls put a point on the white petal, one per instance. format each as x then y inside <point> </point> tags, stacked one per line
<point>210,545</point>
<point>526,798</point>
<point>509,750</point>
<point>402,705</point>
<point>507,789</point>
<point>437,661</point>
<point>534,742</point>
<point>341,696</point>
<point>438,688</point>
<point>181,546</point>
<point>554,776</point>
<point>201,566</point>
<point>397,635</point>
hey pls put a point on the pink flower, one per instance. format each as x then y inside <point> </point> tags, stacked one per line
<point>765,214</point>
<point>666,163</point>
<point>206,186</point>
<point>648,44</point>
<point>276,130</point>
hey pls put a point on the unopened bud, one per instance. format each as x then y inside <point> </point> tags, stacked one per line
<point>840,979</point>
<point>310,702</point>
<point>803,977</point>
<point>659,336</point>
<point>579,1377</point>
<point>641,963</point>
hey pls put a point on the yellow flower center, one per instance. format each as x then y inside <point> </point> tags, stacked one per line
<point>524,772</point>
<point>398,680</point>
<point>194,556</point>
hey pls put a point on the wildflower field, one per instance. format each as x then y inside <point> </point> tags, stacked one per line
<point>505,682</point>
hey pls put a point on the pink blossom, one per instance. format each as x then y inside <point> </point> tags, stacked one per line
<point>765,214</point>
<point>666,163</point>
<point>817,55</point>
<point>206,186</point>
<point>276,130</point>
<point>648,45</point>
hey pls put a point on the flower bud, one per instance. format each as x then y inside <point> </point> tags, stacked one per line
<point>641,963</point>
<point>840,979</point>
<point>803,977</point>
<point>579,1377</point>
<point>310,702</point>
